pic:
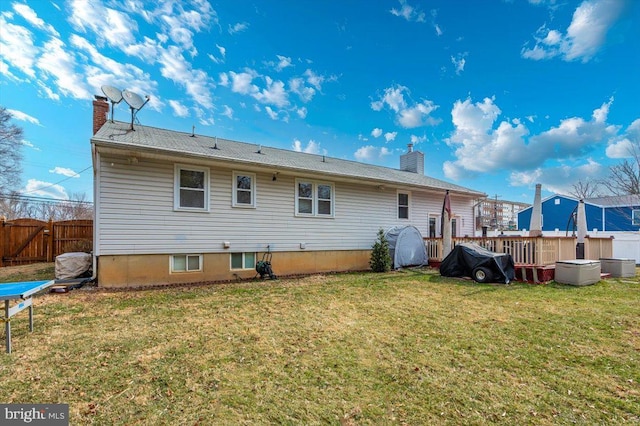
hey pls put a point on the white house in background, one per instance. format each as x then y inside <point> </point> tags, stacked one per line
<point>173,207</point>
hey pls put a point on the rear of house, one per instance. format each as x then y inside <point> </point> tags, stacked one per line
<point>175,207</point>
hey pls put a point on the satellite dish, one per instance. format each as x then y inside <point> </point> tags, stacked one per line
<point>135,102</point>
<point>114,95</point>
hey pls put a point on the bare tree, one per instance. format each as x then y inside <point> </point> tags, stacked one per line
<point>585,189</point>
<point>624,178</point>
<point>10,152</point>
<point>15,206</point>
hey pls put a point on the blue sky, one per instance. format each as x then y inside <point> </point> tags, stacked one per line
<point>499,95</point>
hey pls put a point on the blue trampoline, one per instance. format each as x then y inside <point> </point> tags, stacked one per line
<point>23,292</point>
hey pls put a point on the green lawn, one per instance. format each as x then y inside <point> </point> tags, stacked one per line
<point>396,348</point>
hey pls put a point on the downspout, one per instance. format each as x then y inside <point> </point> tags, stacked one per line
<point>96,203</point>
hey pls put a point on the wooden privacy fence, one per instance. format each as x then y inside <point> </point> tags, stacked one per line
<point>24,241</point>
<point>530,250</point>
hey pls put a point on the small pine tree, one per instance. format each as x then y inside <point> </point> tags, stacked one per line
<point>380,258</point>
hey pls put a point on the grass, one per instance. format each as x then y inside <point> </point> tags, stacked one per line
<point>396,348</point>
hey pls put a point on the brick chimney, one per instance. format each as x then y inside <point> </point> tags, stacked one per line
<point>100,112</point>
<point>412,161</point>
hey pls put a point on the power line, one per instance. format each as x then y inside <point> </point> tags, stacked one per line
<point>18,197</point>
<point>53,184</point>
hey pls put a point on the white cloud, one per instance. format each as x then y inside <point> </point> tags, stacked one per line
<point>19,115</point>
<point>627,144</point>
<point>195,81</point>
<point>237,28</point>
<point>560,179</point>
<point>376,133</point>
<point>227,111</point>
<point>406,116</point>
<point>241,82</point>
<point>408,12</point>
<point>418,139</point>
<point>179,109</point>
<point>302,112</point>
<point>390,136</point>
<point>60,64</point>
<point>312,147</point>
<point>16,47</point>
<point>273,94</point>
<point>45,189</point>
<point>459,62</point>
<point>371,153</point>
<point>30,145</point>
<point>271,113</point>
<point>305,93</point>
<point>283,62</point>
<point>30,16</point>
<point>109,25</point>
<point>64,171</point>
<point>482,147</point>
<point>584,37</point>
<point>223,53</point>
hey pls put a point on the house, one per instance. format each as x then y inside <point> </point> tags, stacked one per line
<point>174,207</point>
<point>604,214</point>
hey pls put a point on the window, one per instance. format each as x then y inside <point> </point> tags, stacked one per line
<point>556,201</point>
<point>243,260</point>
<point>314,198</point>
<point>635,217</point>
<point>244,190</point>
<point>191,188</point>
<point>403,205</point>
<point>186,262</point>
<point>432,227</point>
<point>454,228</point>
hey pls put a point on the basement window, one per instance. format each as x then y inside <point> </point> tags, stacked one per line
<point>186,263</point>
<point>243,260</point>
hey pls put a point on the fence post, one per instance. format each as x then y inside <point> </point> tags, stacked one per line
<point>50,240</point>
<point>2,242</point>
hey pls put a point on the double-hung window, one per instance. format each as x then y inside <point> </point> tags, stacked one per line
<point>314,198</point>
<point>191,190</point>
<point>403,205</point>
<point>244,189</point>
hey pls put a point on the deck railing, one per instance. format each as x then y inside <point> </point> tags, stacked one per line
<point>529,250</point>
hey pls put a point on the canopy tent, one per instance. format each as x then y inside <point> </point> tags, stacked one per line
<point>406,246</point>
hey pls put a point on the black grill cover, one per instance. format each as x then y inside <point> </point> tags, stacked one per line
<point>465,257</point>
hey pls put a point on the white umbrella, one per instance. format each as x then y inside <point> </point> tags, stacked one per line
<point>535,226</point>
<point>581,224</point>
<point>446,225</point>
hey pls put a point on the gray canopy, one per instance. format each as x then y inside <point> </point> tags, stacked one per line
<point>406,246</point>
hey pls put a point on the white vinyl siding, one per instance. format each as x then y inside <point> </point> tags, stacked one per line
<point>244,189</point>
<point>191,188</point>
<point>314,198</point>
<point>137,216</point>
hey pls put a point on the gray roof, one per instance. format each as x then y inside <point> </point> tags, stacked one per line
<point>151,139</point>
<point>615,201</point>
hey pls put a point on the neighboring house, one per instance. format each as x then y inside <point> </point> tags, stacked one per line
<point>604,214</point>
<point>173,207</point>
